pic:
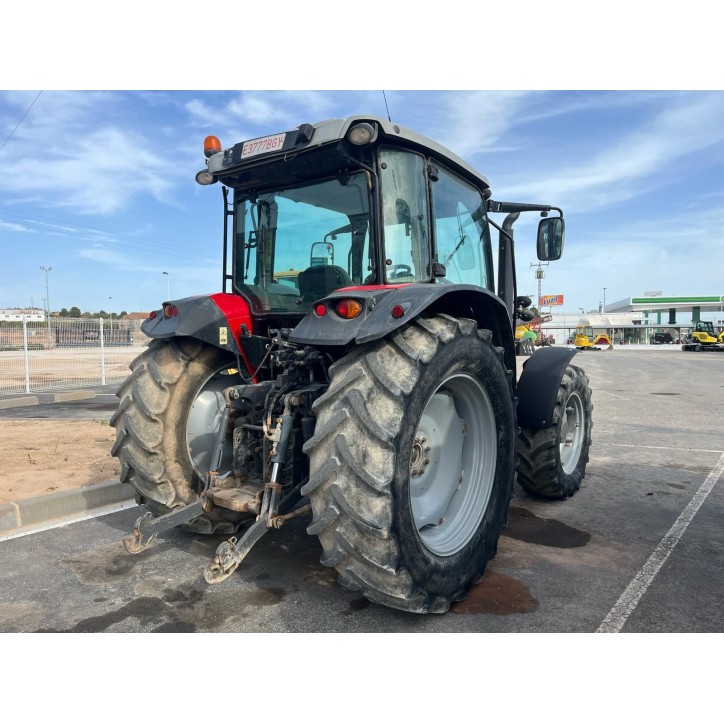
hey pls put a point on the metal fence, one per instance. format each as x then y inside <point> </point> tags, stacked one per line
<point>61,354</point>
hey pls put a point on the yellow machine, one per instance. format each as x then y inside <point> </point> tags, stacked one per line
<point>585,339</point>
<point>525,339</point>
<point>703,337</point>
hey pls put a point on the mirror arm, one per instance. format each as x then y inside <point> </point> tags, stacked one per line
<point>508,207</point>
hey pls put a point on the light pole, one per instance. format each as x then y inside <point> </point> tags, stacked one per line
<point>539,275</point>
<point>110,314</point>
<point>47,295</point>
<point>168,286</point>
<point>604,299</point>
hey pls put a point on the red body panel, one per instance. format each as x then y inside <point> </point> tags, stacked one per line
<point>237,312</point>
<point>372,287</point>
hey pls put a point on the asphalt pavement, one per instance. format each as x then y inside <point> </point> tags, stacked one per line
<point>640,548</point>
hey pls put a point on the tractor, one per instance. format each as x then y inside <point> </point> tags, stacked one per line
<point>357,368</point>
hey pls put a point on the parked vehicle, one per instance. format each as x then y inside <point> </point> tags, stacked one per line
<point>662,338</point>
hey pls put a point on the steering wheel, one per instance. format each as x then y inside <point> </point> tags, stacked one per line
<point>396,271</point>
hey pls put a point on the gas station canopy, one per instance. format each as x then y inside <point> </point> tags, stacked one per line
<point>692,305</point>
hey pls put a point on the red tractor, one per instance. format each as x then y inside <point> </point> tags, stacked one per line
<point>358,367</point>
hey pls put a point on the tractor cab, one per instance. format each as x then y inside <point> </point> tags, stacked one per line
<point>704,332</point>
<point>357,203</point>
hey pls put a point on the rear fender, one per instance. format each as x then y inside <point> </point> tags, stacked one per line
<point>385,309</point>
<point>216,320</point>
<point>538,385</point>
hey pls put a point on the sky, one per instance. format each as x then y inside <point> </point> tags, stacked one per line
<point>101,186</point>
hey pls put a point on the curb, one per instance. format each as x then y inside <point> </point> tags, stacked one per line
<point>18,402</point>
<point>47,508</point>
<point>48,398</point>
<point>66,396</point>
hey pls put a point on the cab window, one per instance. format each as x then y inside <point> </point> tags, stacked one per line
<point>462,239</point>
<point>404,217</point>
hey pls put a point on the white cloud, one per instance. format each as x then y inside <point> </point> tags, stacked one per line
<point>99,173</point>
<point>14,227</point>
<point>200,112</point>
<point>77,151</point>
<point>249,113</point>
<point>480,120</point>
<point>637,163</point>
<point>106,256</point>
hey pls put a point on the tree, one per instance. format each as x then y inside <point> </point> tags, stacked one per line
<point>74,312</point>
<point>64,312</point>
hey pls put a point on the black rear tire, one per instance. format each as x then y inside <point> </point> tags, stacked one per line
<point>399,519</point>
<point>162,456</point>
<point>552,461</point>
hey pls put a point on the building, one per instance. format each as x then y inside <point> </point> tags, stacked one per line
<point>634,320</point>
<point>18,315</point>
<point>658,310</point>
<point>622,328</point>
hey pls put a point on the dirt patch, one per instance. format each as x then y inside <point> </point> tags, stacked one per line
<point>38,457</point>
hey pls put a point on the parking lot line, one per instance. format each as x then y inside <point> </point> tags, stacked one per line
<point>629,599</point>
<point>596,377</point>
<point>665,447</point>
<point>618,397</point>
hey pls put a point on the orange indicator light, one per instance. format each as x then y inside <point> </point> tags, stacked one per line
<point>348,308</point>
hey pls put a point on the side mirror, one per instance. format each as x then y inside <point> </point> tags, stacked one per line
<point>551,232</point>
<point>322,254</point>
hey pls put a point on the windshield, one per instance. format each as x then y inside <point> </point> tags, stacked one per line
<point>296,245</point>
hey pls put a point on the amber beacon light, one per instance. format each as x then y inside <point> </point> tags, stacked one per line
<point>212,145</point>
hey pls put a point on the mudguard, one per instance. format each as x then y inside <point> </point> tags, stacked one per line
<point>538,385</point>
<point>381,314</point>
<point>216,320</point>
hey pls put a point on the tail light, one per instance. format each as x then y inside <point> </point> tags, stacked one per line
<point>348,308</point>
<point>170,311</point>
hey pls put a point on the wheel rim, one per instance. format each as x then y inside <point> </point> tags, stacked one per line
<point>453,463</point>
<point>203,422</point>
<point>572,432</point>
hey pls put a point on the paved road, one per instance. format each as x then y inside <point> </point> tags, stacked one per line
<point>639,549</point>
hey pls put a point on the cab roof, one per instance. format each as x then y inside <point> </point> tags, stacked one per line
<point>309,136</point>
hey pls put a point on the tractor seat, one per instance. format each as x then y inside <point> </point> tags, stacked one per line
<point>318,281</point>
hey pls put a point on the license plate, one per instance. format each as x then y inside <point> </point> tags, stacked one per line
<point>263,145</point>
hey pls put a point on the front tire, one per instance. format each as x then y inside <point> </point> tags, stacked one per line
<point>166,425</point>
<point>552,460</point>
<point>412,463</point>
